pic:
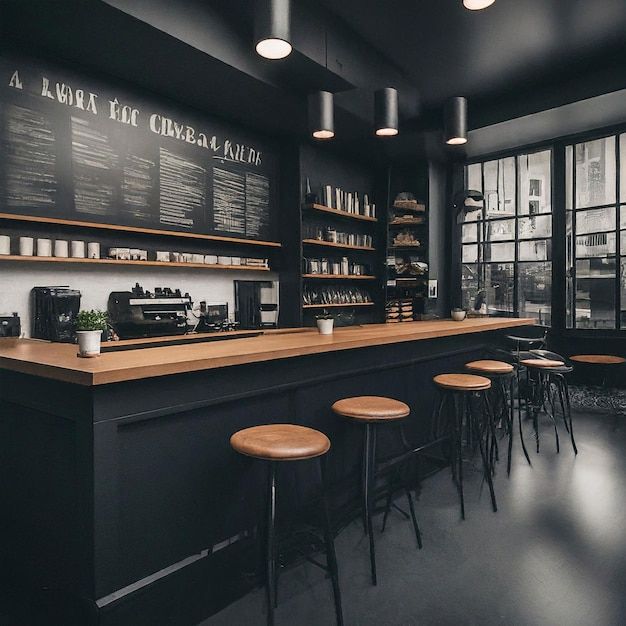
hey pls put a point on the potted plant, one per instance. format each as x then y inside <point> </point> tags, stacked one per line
<point>89,328</point>
<point>325,323</point>
<point>458,314</point>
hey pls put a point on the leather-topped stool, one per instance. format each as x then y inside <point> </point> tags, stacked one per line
<point>545,370</point>
<point>274,443</point>
<point>502,376</point>
<point>372,412</point>
<point>461,388</point>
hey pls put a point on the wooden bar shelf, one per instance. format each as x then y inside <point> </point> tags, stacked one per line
<point>335,306</point>
<point>330,244</point>
<point>137,229</point>
<point>338,213</point>
<point>70,260</point>
<point>340,276</point>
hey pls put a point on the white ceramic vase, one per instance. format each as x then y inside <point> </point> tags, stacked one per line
<point>89,342</point>
<point>325,326</point>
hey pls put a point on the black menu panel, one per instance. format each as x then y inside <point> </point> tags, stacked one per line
<point>77,149</point>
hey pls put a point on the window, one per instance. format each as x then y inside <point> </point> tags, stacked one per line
<point>507,246</point>
<point>596,233</point>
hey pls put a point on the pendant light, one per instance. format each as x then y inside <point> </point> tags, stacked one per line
<point>322,115</point>
<point>455,121</point>
<point>477,5</point>
<point>386,112</point>
<point>272,28</point>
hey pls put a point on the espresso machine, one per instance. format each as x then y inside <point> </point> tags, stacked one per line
<point>139,313</point>
<point>54,311</point>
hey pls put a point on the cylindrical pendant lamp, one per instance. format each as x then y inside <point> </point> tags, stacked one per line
<point>322,115</point>
<point>272,28</point>
<point>386,112</point>
<point>477,5</point>
<point>455,121</point>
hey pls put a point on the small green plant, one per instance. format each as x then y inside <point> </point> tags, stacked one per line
<point>92,320</point>
<point>325,315</point>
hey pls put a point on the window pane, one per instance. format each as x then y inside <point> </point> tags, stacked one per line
<point>622,215</point>
<point>595,220</point>
<point>498,290</point>
<point>535,183</point>
<point>623,283</point>
<point>569,168</point>
<point>469,285</point>
<point>470,254</point>
<point>622,160</point>
<point>600,244</point>
<point>469,233</point>
<point>533,227</point>
<point>535,250</point>
<point>474,177</point>
<point>499,251</point>
<point>500,230</point>
<point>535,291</point>
<point>595,293</point>
<point>500,187</point>
<point>595,172</point>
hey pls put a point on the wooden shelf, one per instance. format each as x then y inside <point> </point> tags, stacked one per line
<point>40,259</point>
<point>420,211</point>
<point>405,223</point>
<point>330,244</point>
<point>338,213</point>
<point>334,306</point>
<point>137,229</point>
<point>339,276</point>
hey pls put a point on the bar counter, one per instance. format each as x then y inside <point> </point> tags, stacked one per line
<point>118,484</point>
<point>59,361</point>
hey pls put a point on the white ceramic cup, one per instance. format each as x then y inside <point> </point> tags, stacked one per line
<point>27,246</point>
<point>93,250</point>
<point>44,247</point>
<point>61,248</point>
<point>5,244</point>
<point>78,249</point>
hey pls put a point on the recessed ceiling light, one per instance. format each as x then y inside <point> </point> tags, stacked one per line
<point>476,5</point>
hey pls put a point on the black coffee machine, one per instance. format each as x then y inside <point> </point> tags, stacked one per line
<point>54,311</point>
<point>256,304</point>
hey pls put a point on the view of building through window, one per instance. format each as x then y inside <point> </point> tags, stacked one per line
<point>507,246</point>
<point>595,232</point>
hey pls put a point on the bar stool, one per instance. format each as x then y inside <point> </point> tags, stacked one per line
<point>461,388</point>
<point>274,443</point>
<point>549,370</point>
<point>604,363</point>
<point>372,412</point>
<point>500,373</point>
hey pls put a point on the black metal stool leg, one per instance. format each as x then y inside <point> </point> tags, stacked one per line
<point>458,417</point>
<point>270,545</point>
<point>416,528</point>
<point>487,470</point>
<point>511,423</point>
<point>569,413</point>
<point>519,418</point>
<point>370,469</point>
<point>330,545</point>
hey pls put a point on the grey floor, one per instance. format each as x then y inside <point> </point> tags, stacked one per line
<point>553,555</point>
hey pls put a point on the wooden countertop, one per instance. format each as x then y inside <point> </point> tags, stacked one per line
<point>59,361</point>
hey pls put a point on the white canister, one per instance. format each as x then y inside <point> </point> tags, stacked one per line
<point>236,260</point>
<point>135,254</point>
<point>78,249</point>
<point>325,326</point>
<point>5,244</point>
<point>187,257</point>
<point>61,248</point>
<point>210,259</point>
<point>198,258</point>
<point>27,245</point>
<point>44,247</point>
<point>224,260</point>
<point>162,256</point>
<point>93,250</point>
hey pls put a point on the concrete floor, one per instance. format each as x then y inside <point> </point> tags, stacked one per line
<point>553,555</point>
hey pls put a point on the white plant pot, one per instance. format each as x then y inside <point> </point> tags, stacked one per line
<point>325,326</point>
<point>89,342</point>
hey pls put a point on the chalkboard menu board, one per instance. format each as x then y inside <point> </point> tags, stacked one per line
<point>76,149</point>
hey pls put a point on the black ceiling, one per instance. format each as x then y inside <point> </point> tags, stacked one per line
<point>513,58</point>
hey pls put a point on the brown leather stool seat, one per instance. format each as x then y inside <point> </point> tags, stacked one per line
<point>598,359</point>
<point>371,408</point>
<point>462,382</point>
<point>280,442</point>
<point>490,367</point>
<point>542,363</point>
